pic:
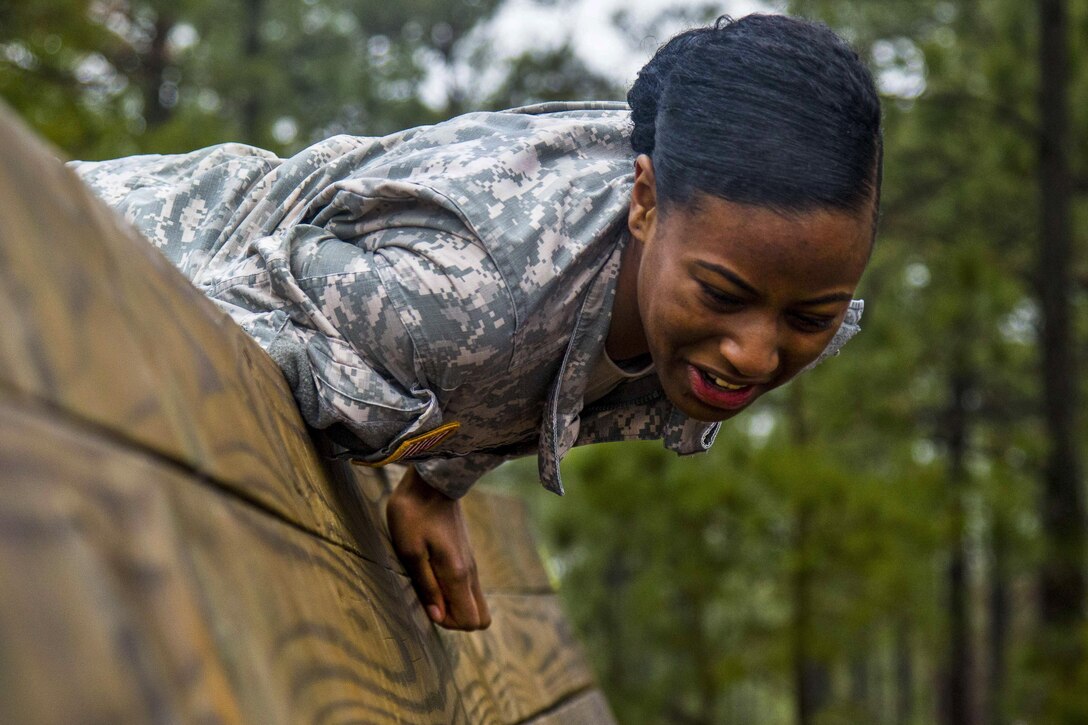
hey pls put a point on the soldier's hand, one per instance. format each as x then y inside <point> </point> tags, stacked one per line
<point>430,537</point>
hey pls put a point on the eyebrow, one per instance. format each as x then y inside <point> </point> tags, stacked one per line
<point>824,299</point>
<point>739,282</point>
<point>729,275</point>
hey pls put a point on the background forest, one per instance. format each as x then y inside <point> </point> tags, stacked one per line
<point>898,537</point>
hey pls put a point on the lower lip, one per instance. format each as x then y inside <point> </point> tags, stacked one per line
<point>716,397</point>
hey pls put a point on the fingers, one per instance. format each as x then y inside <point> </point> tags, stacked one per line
<point>426,586</point>
<point>449,590</point>
<point>482,609</point>
<point>465,605</point>
<point>429,535</point>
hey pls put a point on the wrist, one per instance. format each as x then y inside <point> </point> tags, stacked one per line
<point>416,486</point>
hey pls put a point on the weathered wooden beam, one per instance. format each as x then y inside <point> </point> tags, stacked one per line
<point>136,592</point>
<point>98,324</point>
<point>173,546</point>
<point>588,708</point>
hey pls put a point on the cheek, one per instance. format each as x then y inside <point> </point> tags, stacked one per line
<point>803,350</point>
<point>652,293</point>
<point>676,318</point>
<point>673,314</point>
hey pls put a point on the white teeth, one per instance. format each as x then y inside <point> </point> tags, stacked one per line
<point>728,386</point>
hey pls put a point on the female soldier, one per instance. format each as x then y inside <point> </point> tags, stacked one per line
<point>502,283</point>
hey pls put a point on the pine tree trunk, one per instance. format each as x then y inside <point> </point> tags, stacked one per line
<point>1061,574</point>
<point>152,74</point>
<point>904,677</point>
<point>1000,610</point>
<point>957,698</point>
<point>812,680</point>
<point>252,49</point>
<point>1062,586</point>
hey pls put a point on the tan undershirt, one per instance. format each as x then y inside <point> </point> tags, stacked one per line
<point>607,374</point>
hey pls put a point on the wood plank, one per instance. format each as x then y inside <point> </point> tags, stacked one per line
<point>98,323</point>
<point>589,708</point>
<point>527,660</point>
<point>213,605</point>
<point>133,592</point>
<point>507,554</point>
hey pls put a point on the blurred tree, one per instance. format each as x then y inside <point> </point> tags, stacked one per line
<point>555,73</point>
<point>973,138</point>
<point>1062,575</point>
<point>109,77</point>
<point>942,387</point>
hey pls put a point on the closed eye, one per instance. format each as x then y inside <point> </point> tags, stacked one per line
<point>811,323</point>
<point>720,299</point>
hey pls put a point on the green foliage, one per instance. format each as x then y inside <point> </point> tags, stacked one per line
<point>104,79</point>
<point>684,574</point>
<point>826,541</point>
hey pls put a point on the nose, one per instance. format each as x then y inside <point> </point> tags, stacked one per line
<point>751,347</point>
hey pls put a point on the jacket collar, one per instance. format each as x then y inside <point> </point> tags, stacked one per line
<point>559,428</point>
<point>654,414</point>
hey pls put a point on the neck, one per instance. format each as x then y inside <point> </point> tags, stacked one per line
<point>626,338</point>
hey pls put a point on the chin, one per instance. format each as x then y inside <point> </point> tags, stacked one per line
<point>706,413</point>
<point>719,416</point>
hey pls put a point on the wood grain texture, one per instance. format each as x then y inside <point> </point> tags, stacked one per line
<point>588,708</point>
<point>526,661</point>
<point>98,324</point>
<point>507,555</point>
<point>154,594</point>
<point>173,547</point>
<point>149,597</point>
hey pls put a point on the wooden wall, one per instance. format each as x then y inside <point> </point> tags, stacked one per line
<point>174,548</point>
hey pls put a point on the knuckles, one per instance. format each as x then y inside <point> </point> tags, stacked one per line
<point>412,554</point>
<point>459,573</point>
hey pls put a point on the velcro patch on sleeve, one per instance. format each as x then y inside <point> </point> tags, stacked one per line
<point>414,446</point>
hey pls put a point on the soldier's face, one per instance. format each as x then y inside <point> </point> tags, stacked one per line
<point>735,300</point>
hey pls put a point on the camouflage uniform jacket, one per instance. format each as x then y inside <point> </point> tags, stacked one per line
<point>435,296</point>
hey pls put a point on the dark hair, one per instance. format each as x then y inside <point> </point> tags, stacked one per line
<point>765,110</point>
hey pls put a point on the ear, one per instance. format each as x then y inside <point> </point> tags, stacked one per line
<point>642,215</point>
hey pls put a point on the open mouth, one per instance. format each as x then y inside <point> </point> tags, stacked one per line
<point>718,382</point>
<point>718,393</point>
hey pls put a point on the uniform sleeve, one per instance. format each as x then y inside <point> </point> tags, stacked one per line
<point>343,349</point>
<point>377,311</point>
<point>427,309</point>
<point>184,203</point>
<point>455,476</point>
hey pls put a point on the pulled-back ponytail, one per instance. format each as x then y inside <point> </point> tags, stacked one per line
<point>765,110</point>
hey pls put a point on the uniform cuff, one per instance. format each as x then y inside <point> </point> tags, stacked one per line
<point>455,476</point>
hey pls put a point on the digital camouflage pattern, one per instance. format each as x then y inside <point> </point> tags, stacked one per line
<point>462,272</point>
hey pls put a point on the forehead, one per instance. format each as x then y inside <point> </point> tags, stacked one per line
<point>819,247</point>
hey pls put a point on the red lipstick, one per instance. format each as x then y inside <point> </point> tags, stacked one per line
<point>716,396</point>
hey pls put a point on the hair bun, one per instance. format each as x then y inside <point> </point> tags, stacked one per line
<point>767,110</point>
<point>642,98</point>
<point>649,86</point>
